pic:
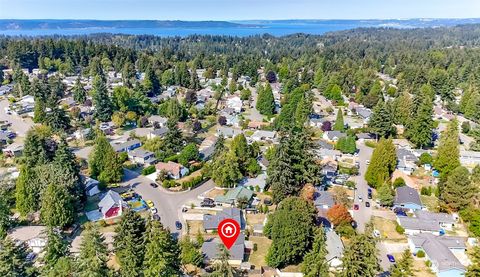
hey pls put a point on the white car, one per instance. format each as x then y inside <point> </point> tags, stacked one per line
<point>367,162</point>
<point>360,199</point>
<point>153,210</point>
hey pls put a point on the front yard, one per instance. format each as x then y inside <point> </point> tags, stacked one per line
<point>387,230</point>
<point>257,258</point>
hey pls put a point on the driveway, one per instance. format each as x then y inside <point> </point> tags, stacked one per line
<point>19,125</point>
<point>169,204</point>
<point>363,214</point>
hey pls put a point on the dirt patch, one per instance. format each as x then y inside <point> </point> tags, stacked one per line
<point>431,202</point>
<point>387,229</point>
<point>257,258</point>
<point>215,192</point>
<point>195,227</point>
<point>421,270</point>
<point>253,219</point>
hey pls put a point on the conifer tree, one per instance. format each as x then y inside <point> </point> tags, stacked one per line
<point>265,100</point>
<point>448,153</point>
<point>222,268</point>
<point>382,163</point>
<point>57,208</point>
<point>13,259</point>
<point>79,93</point>
<point>55,249</point>
<point>104,163</point>
<point>458,191</point>
<point>474,269</point>
<point>360,257</point>
<point>93,257</point>
<point>101,100</point>
<point>339,124</point>
<point>314,263</point>
<point>381,121</point>
<point>419,131</point>
<point>404,266</point>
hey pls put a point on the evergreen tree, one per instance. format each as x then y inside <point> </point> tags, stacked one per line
<point>419,131</point>
<point>128,73</point>
<point>13,259</point>
<point>128,244</point>
<point>291,229</point>
<point>360,257</point>
<point>79,93</point>
<point>347,145</point>
<point>25,192</point>
<point>222,268</point>
<point>101,100</point>
<point>265,100</point>
<point>402,109</point>
<point>39,113</point>
<point>173,140</point>
<point>5,221</point>
<point>104,163</point>
<point>386,195</point>
<point>474,269</point>
<point>459,190</point>
<point>190,254</point>
<point>64,267</point>
<point>381,121</point>
<point>382,164</point>
<point>57,208</point>
<point>55,249</point>
<point>161,252</point>
<point>225,170</point>
<point>93,257</point>
<point>404,266</point>
<point>339,124</point>
<point>448,152</point>
<point>314,263</point>
<point>58,119</point>
<point>151,82</point>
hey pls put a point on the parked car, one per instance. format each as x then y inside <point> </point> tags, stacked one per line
<point>178,225</point>
<point>153,185</point>
<point>153,210</point>
<point>207,202</point>
<point>391,258</point>
<point>354,224</point>
<point>360,199</point>
<point>114,185</point>
<point>367,162</point>
<point>184,209</point>
<point>367,204</point>
<point>156,217</point>
<point>356,207</point>
<point>369,196</point>
<point>150,203</point>
<point>267,201</point>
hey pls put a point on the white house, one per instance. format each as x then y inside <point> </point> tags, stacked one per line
<point>174,170</point>
<point>235,103</point>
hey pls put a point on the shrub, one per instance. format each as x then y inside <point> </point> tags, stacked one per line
<point>426,191</point>
<point>173,158</point>
<point>148,170</point>
<point>123,157</point>
<point>465,127</point>
<point>370,144</point>
<point>420,254</point>
<point>192,182</point>
<point>425,158</point>
<point>399,182</point>
<point>169,184</point>
<point>255,247</point>
<point>399,229</point>
<point>350,184</point>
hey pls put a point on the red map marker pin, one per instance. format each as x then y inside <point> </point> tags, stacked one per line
<point>228,231</point>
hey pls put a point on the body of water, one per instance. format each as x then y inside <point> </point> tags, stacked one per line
<point>276,28</point>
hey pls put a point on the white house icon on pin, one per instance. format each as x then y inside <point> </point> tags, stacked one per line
<point>228,230</point>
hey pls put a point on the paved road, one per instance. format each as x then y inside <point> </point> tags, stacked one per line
<point>254,114</point>
<point>19,125</point>
<point>363,215</point>
<point>168,204</point>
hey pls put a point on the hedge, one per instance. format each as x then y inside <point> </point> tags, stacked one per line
<point>148,170</point>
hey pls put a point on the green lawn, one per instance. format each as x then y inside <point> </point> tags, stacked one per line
<point>91,203</point>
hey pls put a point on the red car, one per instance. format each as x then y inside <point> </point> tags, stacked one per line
<point>356,207</point>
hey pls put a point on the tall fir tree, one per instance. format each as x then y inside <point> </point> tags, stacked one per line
<point>55,249</point>
<point>13,259</point>
<point>339,123</point>
<point>419,130</point>
<point>79,93</point>
<point>474,269</point>
<point>404,267</point>
<point>104,163</point>
<point>315,262</point>
<point>173,140</point>
<point>266,101</point>
<point>222,268</point>
<point>448,153</point>
<point>101,100</point>
<point>381,121</point>
<point>57,209</point>
<point>459,190</point>
<point>382,163</point>
<point>128,244</point>
<point>161,252</point>
<point>360,257</point>
<point>93,257</point>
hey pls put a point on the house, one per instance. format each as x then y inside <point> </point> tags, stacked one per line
<point>235,103</point>
<point>228,132</point>
<point>257,124</point>
<point>13,150</point>
<point>469,159</point>
<point>261,135</point>
<point>407,198</point>
<point>324,153</point>
<point>258,183</point>
<point>263,162</point>
<point>406,160</point>
<point>333,136</point>
<point>334,248</point>
<point>126,146</point>
<point>82,134</point>
<point>323,144</point>
<point>5,89</point>
<point>440,251</point>
<point>364,113</point>
<point>91,186</point>
<point>111,205</point>
<point>173,170</point>
<point>211,250</point>
<point>207,147</point>
<point>158,121</point>
<point>445,221</point>
<point>329,167</point>
<point>233,196</point>
<point>413,225</point>
<point>141,156</point>
<point>323,199</point>
<point>34,236</point>
<point>160,133</point>
<point>210,222</point>
<point>232,120</point>
<point>362,137</point>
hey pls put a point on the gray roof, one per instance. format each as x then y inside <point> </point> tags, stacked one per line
<point>335,134</point>
<point>124,145</point>
<point>406,154</point>
<point>206,152</point>
<point>406,195</point>
<point>440,217</point>
<point>110,200</point>
<point>323,198</point>
<point>334,245</point>
<point>438,250</point>
<point>211,249</point>
<point>228,131</point>
<point>157,118</point>
<point>210,222</point>
<point>364,112</point>
<point>413,223</point>
<point>365,136</point>
<point>324,144</point>
<point>141,153</point>
<point>159,132</point>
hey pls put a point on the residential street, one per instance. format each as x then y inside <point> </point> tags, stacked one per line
<point>169,204</point>
<point>363,214</point>
<point>19,125</point>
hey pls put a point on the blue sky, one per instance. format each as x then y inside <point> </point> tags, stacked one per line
<point>237,9</point>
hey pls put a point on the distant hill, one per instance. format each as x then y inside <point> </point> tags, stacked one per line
<point>42,24</point>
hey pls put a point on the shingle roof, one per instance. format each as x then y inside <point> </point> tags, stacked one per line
<point>438,250</point>
<point>159,132</point>
<point>210,222</point>
<point>335,134</point>
<point>323,198</point>
<point>235,194</point>
<point>440,217</point>
<point>110,199</point>
<point>126,144</point>
<point>211,249</point>
<point>141,153</point>
<point>171,167</point>
<point>413,223</point>
<point>407,194</point>
<point>334,245</point>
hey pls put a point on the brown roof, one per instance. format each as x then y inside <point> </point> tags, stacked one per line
<point>170,167</point>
